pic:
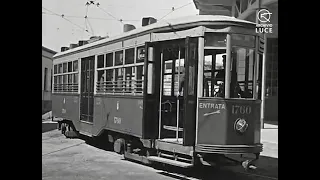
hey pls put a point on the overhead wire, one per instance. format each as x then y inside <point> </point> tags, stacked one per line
<point>93,18</point>
<point>174,9</point>
<point>63,17</point>
<point>120,20</point>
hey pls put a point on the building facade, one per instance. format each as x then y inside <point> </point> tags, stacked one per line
<point>247,10</point>
<point>47,55</point>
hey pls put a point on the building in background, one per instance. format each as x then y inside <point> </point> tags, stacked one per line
<point>246,10</point>
<point>47,55</point>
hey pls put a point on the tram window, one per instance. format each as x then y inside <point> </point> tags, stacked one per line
<point>101,80</point>
<point>109,60</point>
<point>213,72</point>
<point>128,79</point>
<point>181,75</point>
<point>75,82</point>
<point>59,68</point>
<point>70,66</point>
<point>65,82</point>
<point>215,40</point>
<point>119,58</point>
<point>109,80</point>
<point>242,73</point>
<point>243,40</point>
<point>75,65</point>
<point>100,61</point>
<point>64,67</point>
<point>140,54</point>
<point>129,57</point>
<point>151,78</point>
<point>70,82</point>
<point>119,79</point>
<point>55,69</point>
<point>140,78</point>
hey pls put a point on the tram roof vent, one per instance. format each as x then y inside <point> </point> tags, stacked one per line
<point>128,27</point>
<point>73,46</point>
<point>148,20</point>
<point>94,39</point>
<point>64,49</point>
<point>82,42</point>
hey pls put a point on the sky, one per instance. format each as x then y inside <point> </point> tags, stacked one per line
<point>101,20</point>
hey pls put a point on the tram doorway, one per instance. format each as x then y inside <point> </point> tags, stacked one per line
<point>177,90</point>
<point>87,84</point>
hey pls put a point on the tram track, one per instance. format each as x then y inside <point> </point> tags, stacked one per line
<point>43,155</point>
<point>256,175</point>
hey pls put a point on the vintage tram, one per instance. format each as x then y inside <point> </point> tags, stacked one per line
<point>183,92</point>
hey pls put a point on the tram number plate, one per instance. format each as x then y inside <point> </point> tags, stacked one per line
<point>117,120</point>
<point>236,109</point>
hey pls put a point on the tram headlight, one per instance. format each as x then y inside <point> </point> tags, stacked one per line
<point>241,125</point>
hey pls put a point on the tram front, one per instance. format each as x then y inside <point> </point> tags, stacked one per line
<point>228,99</point>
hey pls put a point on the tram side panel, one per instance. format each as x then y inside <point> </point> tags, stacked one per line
<point>120,114</point>
<point>217,119</point>
<point>66,107</point>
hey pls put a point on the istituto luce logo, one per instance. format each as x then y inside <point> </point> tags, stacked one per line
<point>264,25</point>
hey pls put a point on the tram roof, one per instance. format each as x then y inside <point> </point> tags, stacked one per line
<point>159,26</point>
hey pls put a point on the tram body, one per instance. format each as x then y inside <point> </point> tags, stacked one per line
<point>128,90</point>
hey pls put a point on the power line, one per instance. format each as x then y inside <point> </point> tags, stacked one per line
<point>67,20</point>
<point>174,9</point>
<point>93,18</point>
<point>98,5</point>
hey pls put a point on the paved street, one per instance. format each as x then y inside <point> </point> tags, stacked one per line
<point>68,159</point>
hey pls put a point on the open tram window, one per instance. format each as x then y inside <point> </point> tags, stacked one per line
<point>75,82</point>
<point>101,81</point>
<point>70,85</point>
<point>140,78</point>
<point>214,72</point>
<point>64,67</point>
<point>179,76</point>
<point>242,73</point>
<point>109,81</point>
<point>129,74</point>
<point>59,68</point>
<point>65,82</point>
<point>119,79</point>
<point>140,54</point>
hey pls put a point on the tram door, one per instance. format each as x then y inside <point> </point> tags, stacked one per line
<point>178,90</point>
<point>87,83</point>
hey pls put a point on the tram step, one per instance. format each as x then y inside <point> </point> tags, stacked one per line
<point>169,161</point>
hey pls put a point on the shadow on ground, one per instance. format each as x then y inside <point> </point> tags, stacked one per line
<point>266,167</point>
